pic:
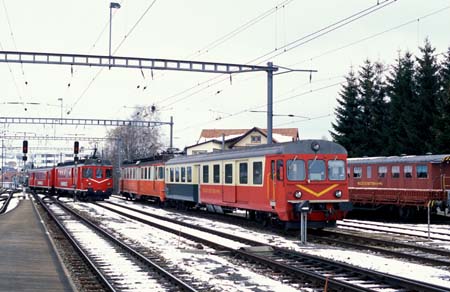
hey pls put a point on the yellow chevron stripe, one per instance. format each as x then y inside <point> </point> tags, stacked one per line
<point>317,194</point>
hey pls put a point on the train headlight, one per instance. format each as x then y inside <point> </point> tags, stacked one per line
<point>298,194</point>
<point>315,146</point>
<point>89,184</point>
<point>338,194</point>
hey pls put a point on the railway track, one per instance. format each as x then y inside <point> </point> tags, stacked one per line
<point>414,252</point>
<point>298,266</point>
<point>117,265</point>
<point>400,230</point>
<point>5,200</point>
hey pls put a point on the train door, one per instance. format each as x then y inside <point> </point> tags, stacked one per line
<point>229,182</point>
<point>276,180</point>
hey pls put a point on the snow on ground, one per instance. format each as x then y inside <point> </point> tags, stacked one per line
<point>419,229</point>
<point>201,263</point>
<point>362,259</point>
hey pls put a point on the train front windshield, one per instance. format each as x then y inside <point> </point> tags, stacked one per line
<point>315,170</point>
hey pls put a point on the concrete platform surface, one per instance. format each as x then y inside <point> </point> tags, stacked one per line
<point>28,261</point>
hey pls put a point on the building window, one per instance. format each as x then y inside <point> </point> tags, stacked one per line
<point>395,171</point>
<point>228,173</point>
<point>205,173</point>
<point>382,170</point>
<point>243,173</point>
<point>357,172</point>
<point>407,169</point>
<point>255,139</point>
<point>422,171</point>
<point>216,173</point>
<point>257,173</point>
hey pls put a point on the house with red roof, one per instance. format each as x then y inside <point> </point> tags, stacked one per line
<point>223,139</point>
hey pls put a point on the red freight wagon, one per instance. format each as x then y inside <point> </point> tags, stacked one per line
<point>407,184</point>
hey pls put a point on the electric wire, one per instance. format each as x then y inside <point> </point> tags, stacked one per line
<point>222,40</point>
<point>372,36</point>
<point>114,52</point>
<point>239,29</point>
<point>323,31</point>
<point>319,33</point>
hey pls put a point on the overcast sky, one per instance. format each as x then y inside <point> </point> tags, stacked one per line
<point>174,29</point>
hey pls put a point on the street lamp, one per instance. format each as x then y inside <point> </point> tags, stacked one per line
<point>111,6</point>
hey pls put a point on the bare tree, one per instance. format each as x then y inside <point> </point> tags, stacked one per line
<point>135,142</point>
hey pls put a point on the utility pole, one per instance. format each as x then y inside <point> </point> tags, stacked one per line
<point>269,102</point>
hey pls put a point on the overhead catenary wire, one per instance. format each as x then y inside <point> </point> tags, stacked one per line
<point>114,52</point>
<point>222,40</point>
<point>314,35</point>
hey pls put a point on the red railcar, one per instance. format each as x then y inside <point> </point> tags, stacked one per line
<point>42,179</point>
<point>143,179</point>
<point>406,184</point>
<point>268,181</point>
<point>89,179</point>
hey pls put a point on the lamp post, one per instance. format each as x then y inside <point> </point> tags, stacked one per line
<point>111,6</point>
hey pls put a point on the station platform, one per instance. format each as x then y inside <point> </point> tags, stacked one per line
<point>28,261</point>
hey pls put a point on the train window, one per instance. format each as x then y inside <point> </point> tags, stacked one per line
<point>369,171</point>
<point>228,173</point>
<point>257,172</point>
<point>183,174</point>
<point>205,173</point>
<point>87,172</point>
<point>98,173</point>
<point>382,170</point>
<point>216,173</point>
<point>336,170</point>
<point>296,169</point>
<point>108,173</point>
<point>407,170</point>
<point>422,171</point>
<point>316,169</point>
<point>280,169</point>
<point>177,174</point>
<point>160,173</point>
<point>171,175</point>
<point>189,174</point>
<point>243,173</point>
<point>395,171</point>
<point>145,173</point>
<point>272,169</point>
<point>357,172</point>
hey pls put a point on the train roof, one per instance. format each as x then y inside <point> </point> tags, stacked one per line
<point>148,160</point>
<point>297,147</point>
<point>87,161</point>
<point>437,158</point>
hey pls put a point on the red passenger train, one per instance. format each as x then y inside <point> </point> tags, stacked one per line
<point>270,182</point>
<point>403,184</point>
<point>89,179</point>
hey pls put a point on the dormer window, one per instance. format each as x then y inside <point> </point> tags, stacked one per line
<point>256,139</point>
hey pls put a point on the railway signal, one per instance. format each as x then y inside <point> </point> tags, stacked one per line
<point>24,150</point>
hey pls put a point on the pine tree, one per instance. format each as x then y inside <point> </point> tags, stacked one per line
<point>348,126</point>
<point>427,80</point>
<point>403,111</point>
<point>373,108</point>
<point>442,126</point>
